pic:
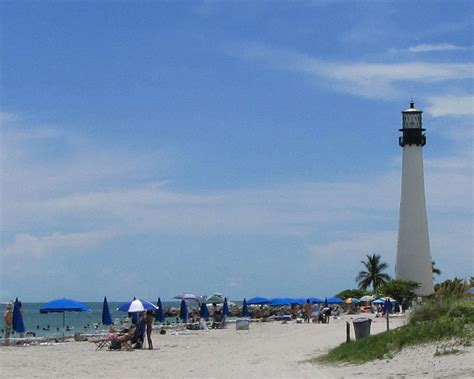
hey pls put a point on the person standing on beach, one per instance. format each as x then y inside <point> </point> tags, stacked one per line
<point>307,309</point>
<point>149,328</point>
<point>8,320</point>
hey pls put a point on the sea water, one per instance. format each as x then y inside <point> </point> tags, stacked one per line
<point>51,324</point>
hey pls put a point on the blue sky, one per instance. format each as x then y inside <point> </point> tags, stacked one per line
<point>249,148</point>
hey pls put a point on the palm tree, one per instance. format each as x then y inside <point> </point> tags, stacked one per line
<point>435,270</point>
<point>373,274</point>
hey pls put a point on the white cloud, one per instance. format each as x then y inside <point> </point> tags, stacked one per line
<point>26,244</point>
<point>383,243</point>
<point>372,80</point>
<point>451,105</point>
<point>7,117</point>
<point>426,48</point>
<point>68,203</point>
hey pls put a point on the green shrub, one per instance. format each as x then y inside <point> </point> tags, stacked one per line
<point>462,310</point>
<point>435,321</point>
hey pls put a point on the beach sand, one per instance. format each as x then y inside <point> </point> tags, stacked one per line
<point>266,350</point>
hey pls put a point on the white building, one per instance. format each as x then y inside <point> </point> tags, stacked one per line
<point>413,249</point>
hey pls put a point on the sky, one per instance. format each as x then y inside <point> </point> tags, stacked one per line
<point>242,147</point>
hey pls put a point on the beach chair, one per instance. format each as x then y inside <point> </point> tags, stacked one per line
<point>219,322</point>
<point>102,341</point>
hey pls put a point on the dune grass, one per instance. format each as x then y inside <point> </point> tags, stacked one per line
<point>435,321</point>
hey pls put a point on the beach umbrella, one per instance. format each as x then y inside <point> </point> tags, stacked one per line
<point>137,305</point>
<point>335,300</point>
<point>352,300</point>
<point>159,315</point>
<point>63,306</point>
<point>215,299</point>
<point>281,301</point>
<point>187,296</point>
<point>18,325</point>
<point>315,300</point>
<point>299,301</point>
<point>382,301</point>
<point>183,311</point>
<point>258,300</point>
<point>106,317</point>
<point>367,298</point>
<point>245,309</point>
<point>225,310</point>
<point>204,312</point>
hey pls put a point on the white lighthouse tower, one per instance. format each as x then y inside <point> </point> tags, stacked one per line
<point>413,249</point>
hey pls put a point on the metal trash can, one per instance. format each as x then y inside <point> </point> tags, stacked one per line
<point>362,327</point>
<point>242,324</point>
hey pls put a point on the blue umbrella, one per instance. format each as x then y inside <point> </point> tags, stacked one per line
<point>159,316</point>
<point>62,306</point>
<point>204,312</point>
<point>106,317</point>
<point>315,300</point>
<point>335,300</point>
<point>146,304</point>
<point>258,300</point>
<point>225,308</point>
<point>245,309</point>
<point>299,301</point>
<point>18,325</point>
<point>281,301</point>
<point>183,311</point>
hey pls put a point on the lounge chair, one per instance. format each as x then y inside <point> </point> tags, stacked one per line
<point>219,322</point>
<point>102,341</point>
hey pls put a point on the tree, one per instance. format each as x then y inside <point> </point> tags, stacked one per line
<point>399,289</point>
<point>453,287</point>
<point>373,274</point>
<point>435,270</point>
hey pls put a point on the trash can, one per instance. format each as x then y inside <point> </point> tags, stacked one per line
<point>242,324</point>
<point>362,327</point>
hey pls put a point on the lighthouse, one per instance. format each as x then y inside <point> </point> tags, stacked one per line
<point>413,248</point>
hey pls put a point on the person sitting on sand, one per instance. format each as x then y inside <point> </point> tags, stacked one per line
<point>127,338</point>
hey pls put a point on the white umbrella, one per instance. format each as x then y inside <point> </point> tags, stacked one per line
<point>187,296</point>
<point>215,299</point>
<point>367,298</point>
<point>136,306</point>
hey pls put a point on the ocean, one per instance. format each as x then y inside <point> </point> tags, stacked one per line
<point>51,324</point>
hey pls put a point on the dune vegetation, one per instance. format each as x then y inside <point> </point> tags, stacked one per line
<point>444,318</point>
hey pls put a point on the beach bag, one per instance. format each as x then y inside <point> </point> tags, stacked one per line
<point>115,345</point>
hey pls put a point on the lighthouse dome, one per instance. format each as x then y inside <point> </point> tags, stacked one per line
<point>412,108</point>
